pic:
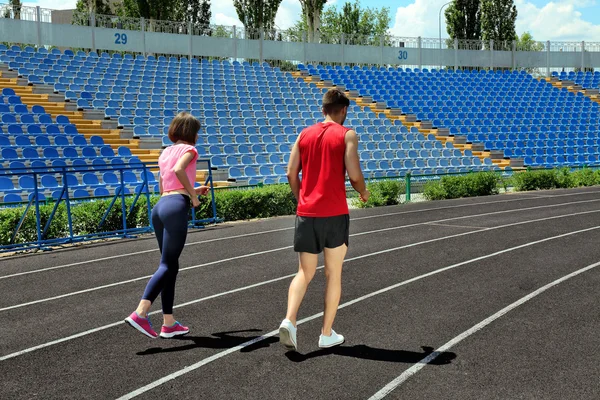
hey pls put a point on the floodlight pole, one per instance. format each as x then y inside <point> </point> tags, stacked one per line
<point>440,29</point>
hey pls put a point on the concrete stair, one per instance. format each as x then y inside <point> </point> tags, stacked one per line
<point>592,94</point>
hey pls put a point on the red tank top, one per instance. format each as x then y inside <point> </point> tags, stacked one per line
<point>323,188</point>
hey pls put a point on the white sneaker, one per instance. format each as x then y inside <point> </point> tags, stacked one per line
<point>330,341</point>
<point>287,335</point>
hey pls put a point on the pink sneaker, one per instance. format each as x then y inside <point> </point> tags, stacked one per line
<point>141,324</point>
<point>175,330</point>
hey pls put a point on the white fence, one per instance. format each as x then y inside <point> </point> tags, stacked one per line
<point>33,25</point>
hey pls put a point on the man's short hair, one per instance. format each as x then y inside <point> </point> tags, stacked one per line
<point>334,101</point>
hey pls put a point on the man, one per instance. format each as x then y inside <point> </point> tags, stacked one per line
<point>324,153</point>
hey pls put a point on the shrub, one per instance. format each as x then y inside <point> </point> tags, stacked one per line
<point>434,190</point>
<point>585,177</point>
<point>268,201</point>
<point>564,178</point>
<point>383,193</point>
<point>453,187</point>
<point>9,219</point>
<point>537,180</point>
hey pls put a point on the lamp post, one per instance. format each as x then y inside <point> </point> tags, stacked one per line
<point>440,29</point>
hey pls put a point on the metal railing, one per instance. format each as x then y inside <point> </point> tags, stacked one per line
<point>28,13</point>
<point>65,216</point>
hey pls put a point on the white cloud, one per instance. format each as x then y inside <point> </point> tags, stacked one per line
<point>53,4</point>
<point>223,13</point>
<point>556,21</point>
<point>288,13</point>
<point>559,20</point>
<point>420,18</point>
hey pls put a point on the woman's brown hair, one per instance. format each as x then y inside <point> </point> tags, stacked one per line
<point>184,127</point>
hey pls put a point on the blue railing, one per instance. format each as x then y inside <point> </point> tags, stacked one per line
<point>63,194</point>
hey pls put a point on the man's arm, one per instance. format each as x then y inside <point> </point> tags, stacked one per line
<point>293,170</point>
<point>352,161</point>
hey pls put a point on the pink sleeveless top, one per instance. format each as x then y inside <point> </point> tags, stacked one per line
<point>167,161</point>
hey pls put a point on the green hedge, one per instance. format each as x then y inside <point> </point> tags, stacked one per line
<point>265,202</point>
<point>555,179</point>
<point>383,193</point>
<point>232,205</point>
<point>470,185</point>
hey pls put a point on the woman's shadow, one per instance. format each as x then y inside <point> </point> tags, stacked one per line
<point>220,340</point>
<point>372,353</point>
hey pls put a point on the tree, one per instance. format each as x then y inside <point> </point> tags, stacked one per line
<point>149,9</point>
<point>84,8</point>
<point>93,6</point>
<point>257,15</point>
<point>367,24</point>
<point>16,7</point>
<point>296,32</point>
<point>311,11</point>
<point>463,20</point>
<point>498,18</point>
<point>526,43</point>
<point>195,11</point>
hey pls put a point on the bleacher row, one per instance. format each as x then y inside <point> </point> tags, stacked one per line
<point>485,107</point>
<point>252,113</point>
<point>247,111</point>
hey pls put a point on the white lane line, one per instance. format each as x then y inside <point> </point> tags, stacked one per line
<point>387,389</point>
<point>91,331</point>
<point>136,253</point>
<point>286,229</point>
<point>457,226</point>
<point>222,354</point>
<point>259,253</point>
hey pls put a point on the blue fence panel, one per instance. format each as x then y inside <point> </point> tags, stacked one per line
<point>71,192</point>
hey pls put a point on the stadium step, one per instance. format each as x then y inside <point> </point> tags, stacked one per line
<point>86,127</point>
<point>590,94</point>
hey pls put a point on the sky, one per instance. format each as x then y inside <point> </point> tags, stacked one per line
<point>559,20</point>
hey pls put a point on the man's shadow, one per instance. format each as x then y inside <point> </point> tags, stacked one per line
<point>371,353</point>
<point>220,340</point>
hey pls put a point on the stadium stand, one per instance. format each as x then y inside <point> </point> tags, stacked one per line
<point>250,113</point>
<point>508,112</point>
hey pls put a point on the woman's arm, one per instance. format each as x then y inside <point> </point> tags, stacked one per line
<point>179,171</point>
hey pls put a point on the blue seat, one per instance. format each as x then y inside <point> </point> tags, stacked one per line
<point>12,198</point>
<point>101,191</point>
<point>49,181</point>
<point>80,194</point>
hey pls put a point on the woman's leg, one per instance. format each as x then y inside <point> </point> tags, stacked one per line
<point>144,306</point>
<point>175,236</point>
<point>171,231</point>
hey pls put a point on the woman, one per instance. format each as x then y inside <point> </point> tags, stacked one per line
<point>177,165</point>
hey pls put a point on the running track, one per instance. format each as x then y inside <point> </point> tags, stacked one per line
<point>483,298</point>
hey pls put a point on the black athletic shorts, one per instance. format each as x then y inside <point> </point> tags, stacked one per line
<point>314,234</point>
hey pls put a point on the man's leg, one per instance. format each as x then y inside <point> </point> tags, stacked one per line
<point>334,259</point>
<point>306,271</point>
